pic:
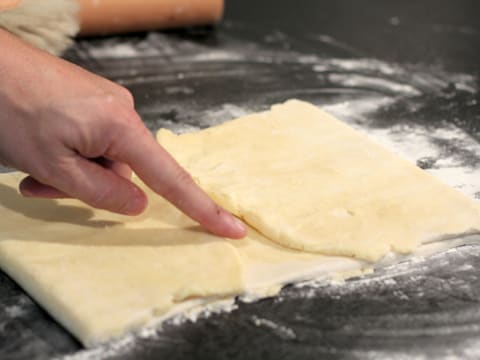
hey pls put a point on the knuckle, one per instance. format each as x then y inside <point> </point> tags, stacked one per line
<point>182,178</point>
<point>122,134</point>
<point>116,116</point>
<point>107,105</point>
<point>125,95</point>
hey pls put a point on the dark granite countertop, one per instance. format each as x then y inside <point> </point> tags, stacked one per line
<point>407,73</point>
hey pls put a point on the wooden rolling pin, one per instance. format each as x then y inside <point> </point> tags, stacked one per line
<point>103,17</point>
<point>51,24</point>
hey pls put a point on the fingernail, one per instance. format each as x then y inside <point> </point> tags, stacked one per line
<point>238,225</point>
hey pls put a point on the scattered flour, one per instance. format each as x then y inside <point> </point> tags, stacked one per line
<point>105,351</point>
<point>419,144</point>
<point>414,142</point>
<point>283,332</point>
<point>14,311</point>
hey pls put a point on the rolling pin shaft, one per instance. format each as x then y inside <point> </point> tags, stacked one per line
<point>103,17</point>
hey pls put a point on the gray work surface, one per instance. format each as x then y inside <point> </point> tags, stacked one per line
<point>405,73</point>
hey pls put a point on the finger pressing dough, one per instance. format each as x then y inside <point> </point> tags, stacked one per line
<point>100,274</point>
<point>309,182</point>
<point>297,175</point>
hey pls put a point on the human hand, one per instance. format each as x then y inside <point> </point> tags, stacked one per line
<point>78,135</point>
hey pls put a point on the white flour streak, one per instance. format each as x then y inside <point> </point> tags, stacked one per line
<point>356,65</point>
<point>175,90</point>
<point>153,332</point>
<point>283,332</point>
<point>112,349</point>
<point>224,113</point>
<point>204,311</point>
<point>355,110</point>
<point>419,144</point>
<point>218,56</point>
<point>14,311</point>
<point>117,50</point>
<point>362,81</point>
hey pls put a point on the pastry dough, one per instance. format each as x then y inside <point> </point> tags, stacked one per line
<point>309,182</point>
<point>101,274</point>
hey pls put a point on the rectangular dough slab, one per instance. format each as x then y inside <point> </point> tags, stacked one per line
<point>309,182</point>
<point>101,275</point>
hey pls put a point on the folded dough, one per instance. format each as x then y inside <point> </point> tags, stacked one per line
<point>100,274</point>
<point>315,185</point>
<point>309,182</point>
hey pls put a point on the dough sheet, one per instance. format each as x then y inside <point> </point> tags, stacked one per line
<point>309,182</point>
<point>101,274</point>
<point>306,183</point>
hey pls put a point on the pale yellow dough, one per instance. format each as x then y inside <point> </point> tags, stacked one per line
<point>101,274</point>
<point>297,175</point>
<point>308,181</point>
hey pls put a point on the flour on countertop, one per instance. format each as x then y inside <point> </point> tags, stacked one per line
<point>14,311</point>
<point>447,152</point>
<point>281,331</point>
<point>106,351</point>
<point>154,330</point>
<point>179,77</point>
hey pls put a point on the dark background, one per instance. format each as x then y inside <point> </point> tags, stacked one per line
<point>424,309</point>
<point>433,32</point>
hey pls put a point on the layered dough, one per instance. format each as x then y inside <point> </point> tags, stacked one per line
<point>308,185</point>
<point>100,274</point>
<point>309,182</point>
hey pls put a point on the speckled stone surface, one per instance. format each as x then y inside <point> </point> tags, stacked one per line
<point>407,74</point>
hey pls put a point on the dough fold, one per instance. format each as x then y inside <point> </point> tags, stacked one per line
<point>308,185</point>
<point>310,182</point>
<point>101,275</point>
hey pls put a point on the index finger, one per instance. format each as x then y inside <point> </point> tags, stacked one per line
<point>159,170</point>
